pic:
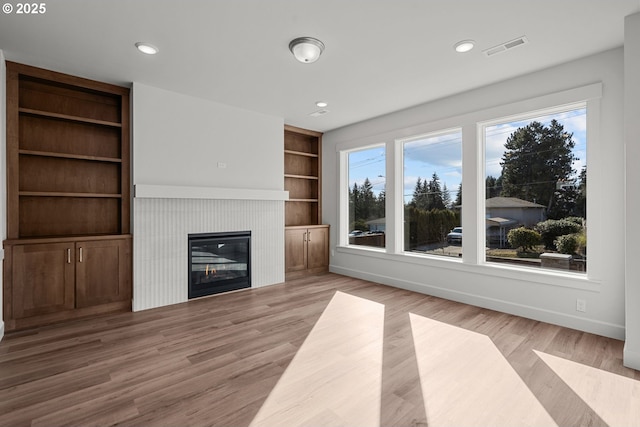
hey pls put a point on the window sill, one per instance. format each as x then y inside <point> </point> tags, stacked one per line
<point>546,277</point>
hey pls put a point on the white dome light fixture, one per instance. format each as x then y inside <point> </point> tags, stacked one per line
<point>147,48</point>
<point>464,46</point>
<point>322,104</point>
<point>306,49</point>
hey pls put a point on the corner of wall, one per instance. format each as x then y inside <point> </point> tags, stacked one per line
<point>3,168</point>
<point>632,199</point>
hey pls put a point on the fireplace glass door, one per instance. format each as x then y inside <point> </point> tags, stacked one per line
<point>219,262</point>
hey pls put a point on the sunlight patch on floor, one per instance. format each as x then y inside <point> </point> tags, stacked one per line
<point>467,381</point>
<point>336,376</point>
<point>616,399</point>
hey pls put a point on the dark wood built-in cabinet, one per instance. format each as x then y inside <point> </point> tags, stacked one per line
<point>306,239</point>
<point>307,248</point>
<point>68,247</point>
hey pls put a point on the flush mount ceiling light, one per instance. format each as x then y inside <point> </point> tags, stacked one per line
<point>147,48</point>
<point>464,46</point>
<point>321,104</point>
<point>306,49</point>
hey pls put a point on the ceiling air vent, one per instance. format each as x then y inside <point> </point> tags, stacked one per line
<point>505,46</point>
<point>319,113</point>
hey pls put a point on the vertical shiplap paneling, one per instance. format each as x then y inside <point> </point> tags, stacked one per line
<point>161,227</point>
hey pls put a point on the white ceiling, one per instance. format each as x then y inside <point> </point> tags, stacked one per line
<point>381,55</point>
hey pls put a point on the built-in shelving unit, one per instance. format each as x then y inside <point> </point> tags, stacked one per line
<point>68,204</point>
<point>306,239</point>
<point>302,153</point>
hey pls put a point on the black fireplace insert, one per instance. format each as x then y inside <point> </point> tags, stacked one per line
<point>219,262</point>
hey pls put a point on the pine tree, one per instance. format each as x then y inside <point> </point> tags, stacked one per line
<point>446,197</point>
<point>536,158</point>
<point>435,193</point>
<point>458,201</point>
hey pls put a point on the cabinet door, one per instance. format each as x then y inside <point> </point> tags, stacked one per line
<point>295,240</point>
<point>43,279</point>
<point>103,272</point>
<point>318,247</point>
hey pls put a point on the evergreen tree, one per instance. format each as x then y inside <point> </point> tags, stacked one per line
<point>435,193</point>
<point>536,158</point>
<point>380,204</point>
<point>446,197</point>
<point>420,199</point>
<point>368,200</point>
<point>354,204</point>
<point>458,201</point>
<point>493,187</point>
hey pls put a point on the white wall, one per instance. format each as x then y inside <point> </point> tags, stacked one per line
<point>179,140</point>
<point>632,225</point>
<point>542,295</point>
<point>3,175</point>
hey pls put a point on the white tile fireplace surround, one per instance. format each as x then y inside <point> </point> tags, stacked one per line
<point>161,226</point>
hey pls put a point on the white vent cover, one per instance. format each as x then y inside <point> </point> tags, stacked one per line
<point>319,113</point>
<point>506,46</point>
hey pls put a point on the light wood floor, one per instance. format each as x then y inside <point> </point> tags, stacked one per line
<point>326,350</point>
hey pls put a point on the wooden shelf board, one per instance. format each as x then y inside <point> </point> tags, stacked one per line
<point>286,175</point>
<point>68,156</point>
<point>61,194</point>
<point>68,117</point>
<point>300,153</point>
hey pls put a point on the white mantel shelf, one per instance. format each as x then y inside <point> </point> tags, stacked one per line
<point>145,191</point>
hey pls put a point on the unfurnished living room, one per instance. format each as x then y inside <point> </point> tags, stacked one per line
<point>251,213</point>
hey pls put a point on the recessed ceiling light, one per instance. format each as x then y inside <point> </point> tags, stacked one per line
<point>147,48</point>
<point>321,104</point>
<point>464,46</point>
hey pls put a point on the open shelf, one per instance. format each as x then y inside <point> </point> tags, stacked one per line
<point>68,156</point>
<point>302,158</point>
<point>67,117</point>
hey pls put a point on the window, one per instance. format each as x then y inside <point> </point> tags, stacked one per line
<point>367,223</point>
<point>432,190</point>
<point>535,190</point>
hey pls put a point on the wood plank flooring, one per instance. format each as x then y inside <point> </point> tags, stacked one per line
<point>321,350</point>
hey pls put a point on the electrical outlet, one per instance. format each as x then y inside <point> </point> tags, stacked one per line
<point>581,305</point>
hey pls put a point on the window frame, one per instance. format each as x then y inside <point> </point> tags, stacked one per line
<point>528,116</point>
<point>473,209</point>
<point>343,205</point>
<point>401,142</point>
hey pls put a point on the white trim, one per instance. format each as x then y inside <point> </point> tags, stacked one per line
<point>512,272</point>
<point>530,312</point>
<point>473,158</point>
<point>631,359</point>
<point>146,191</point>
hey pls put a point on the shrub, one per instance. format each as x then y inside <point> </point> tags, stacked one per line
<point>524,238</point>
<point>567,244</point>
<point>551,229</point>
<point>575,219</point>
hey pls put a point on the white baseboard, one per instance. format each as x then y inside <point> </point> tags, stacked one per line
<point>1,330</point>
<point>631,359</point>
<point>562,319</point>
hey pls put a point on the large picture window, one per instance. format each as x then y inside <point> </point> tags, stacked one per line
<point>432,187</point>
<point>367,222</point>
<point>535,190</point>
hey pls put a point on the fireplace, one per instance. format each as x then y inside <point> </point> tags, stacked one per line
<point>219,262</point>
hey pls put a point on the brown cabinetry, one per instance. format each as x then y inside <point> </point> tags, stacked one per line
<point>306,240</point>
<point>306,249</point>
<point>68,207</point>
<point>55,281</point>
